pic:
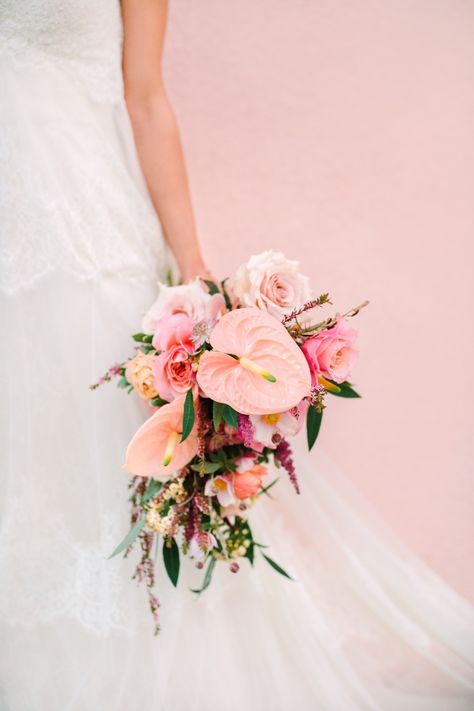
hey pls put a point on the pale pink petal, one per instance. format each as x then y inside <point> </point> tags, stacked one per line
<point>262,339</point>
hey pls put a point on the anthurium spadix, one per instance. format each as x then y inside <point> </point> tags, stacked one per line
<point>156,449</point>
<point>255,365</point>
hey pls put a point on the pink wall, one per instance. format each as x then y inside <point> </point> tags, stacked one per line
<point>341,133</point>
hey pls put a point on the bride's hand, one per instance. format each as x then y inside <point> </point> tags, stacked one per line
<point>197,271</point>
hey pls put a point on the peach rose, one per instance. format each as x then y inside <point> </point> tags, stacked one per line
<point>271,282</point>
<point>139,373</point>
<point>247,480</point>
<point>331,353</point>
<point>173,372</point>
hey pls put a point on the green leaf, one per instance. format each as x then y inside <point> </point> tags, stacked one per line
<point>171,560</point>
<point>213,288</point>
<point>266,489</point>
<point>188,415</point>
<point>152,489</point>
<point>313,425</point>
<point>147,348</point>
<point>129,538</point>
<point>345,390</point>
<point>207,576</point>
<point>158,402</point>
<point>217,414</point>
<point>250,553</point>
<point>139,337</point>
<point>206,467</point>
<point>227,300</point>
<point>230,416</point>
<point>123,383</point>
<point>276,567</point>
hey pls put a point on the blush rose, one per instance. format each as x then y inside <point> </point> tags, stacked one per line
<point>332,353</point>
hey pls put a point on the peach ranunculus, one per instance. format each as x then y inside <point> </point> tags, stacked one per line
<point>139,373</point>
<point>247,480</point>
<point>331,353</point>
<point>271,282</point>
<point>174,329</point>
<point>191,299</point>
<point>173,371</point>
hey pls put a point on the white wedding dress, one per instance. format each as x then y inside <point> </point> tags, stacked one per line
<point>363,626</point>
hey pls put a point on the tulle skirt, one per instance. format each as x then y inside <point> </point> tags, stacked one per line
<point>361,625</point>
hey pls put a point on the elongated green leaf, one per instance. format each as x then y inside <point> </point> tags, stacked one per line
<point>277,567</point>
<point>188,415</point>
<point>152,489</point>
<point>230,416</point>
<point>313,425</point>
<point>158,402</point>
<point>213,288</point>
<point>207,576</point>
<point>171,560</point>
<point>217,414</point>
<point>206,467</point>
<point>227,300</point>
<point>250,553</point>
<point>129,538</point>
<point>345,390</point>
<point>266,489</point>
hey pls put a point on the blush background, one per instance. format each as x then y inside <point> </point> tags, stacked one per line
<point>341,133</point>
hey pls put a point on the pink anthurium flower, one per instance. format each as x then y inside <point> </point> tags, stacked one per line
<point>156,449</point>
<point>256,367</point>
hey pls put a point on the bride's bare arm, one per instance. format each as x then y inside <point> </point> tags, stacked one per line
<point>156,131</point>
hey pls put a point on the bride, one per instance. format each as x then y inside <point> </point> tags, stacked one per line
<point>94,197</point>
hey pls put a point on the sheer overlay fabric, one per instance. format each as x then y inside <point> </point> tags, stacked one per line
<point>362,625</point>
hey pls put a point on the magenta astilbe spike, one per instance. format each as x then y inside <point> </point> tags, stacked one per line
<point>246,433</point>
<point>285,456</point>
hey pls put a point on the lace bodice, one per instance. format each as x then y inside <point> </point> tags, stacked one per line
<point>72,195</point>
<point>84,36</point>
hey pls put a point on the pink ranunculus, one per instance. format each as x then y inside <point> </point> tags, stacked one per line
<point>173,372</point>
<point>192,299</point>
<point>331,353</point>
<point>174,329</point>
<point>271,282</point>
<point>247,480</point>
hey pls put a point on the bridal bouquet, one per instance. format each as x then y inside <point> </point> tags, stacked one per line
<point>230,372</point>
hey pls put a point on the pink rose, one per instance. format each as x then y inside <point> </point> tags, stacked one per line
<point>192,299</point>
<point>174,329</point>
<point>271,282</point>
<point>331,353</point>
<point>173,372</point>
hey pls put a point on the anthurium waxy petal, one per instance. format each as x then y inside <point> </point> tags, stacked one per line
<point>260,338</point>
<point>149,448</point>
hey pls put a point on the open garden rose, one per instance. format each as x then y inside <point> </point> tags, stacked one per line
<point>174,329</point>
<point>271,282</point>
<point>331,353</point>
<point>192,299</point>
<point>139,373</point>
<point>173,371</point>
